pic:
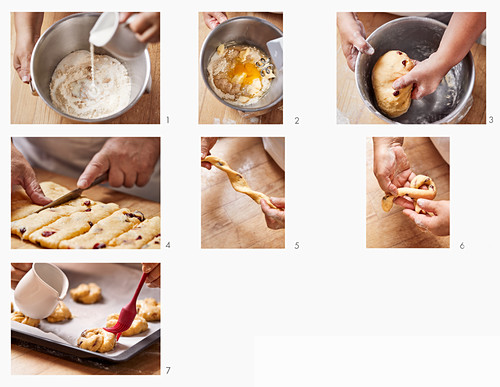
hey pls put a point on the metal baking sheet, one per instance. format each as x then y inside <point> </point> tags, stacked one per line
<point>118,283</point>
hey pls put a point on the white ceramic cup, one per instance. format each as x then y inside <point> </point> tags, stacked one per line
<point>40,290</point>
<point>116,37</point>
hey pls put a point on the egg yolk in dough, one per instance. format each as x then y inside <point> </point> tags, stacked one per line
<point>244,73</point>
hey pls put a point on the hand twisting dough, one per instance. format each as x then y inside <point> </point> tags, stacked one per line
<point>389,67</point>
<point>60,313</point>
<point>21,318</point>
<point>149,309</point>
<point>97,340</point>
<point>86,293</point>
<point>237,181</point>
<point>413,191</point>
<point>138,325</point>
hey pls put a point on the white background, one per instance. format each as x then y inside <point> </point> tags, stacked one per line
<point>330,313</point>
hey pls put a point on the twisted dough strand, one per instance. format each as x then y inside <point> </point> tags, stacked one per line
<point>414,192</point>
<point>238,182</point>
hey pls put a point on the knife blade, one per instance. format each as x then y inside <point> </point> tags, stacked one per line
<point>76,193</point>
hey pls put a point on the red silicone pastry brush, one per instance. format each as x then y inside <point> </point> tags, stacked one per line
<point>127,313</point>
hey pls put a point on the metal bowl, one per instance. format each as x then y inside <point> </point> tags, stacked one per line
<point>245,30</point>
<point>419,37</point>
<point>71,34</point>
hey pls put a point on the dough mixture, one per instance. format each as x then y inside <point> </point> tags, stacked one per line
<point>240,74</point>
<point>389,67</point>
<point>73,91</point>
<point>21,318</point>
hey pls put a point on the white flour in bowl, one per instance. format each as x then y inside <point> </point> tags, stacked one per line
<point>74,92</point>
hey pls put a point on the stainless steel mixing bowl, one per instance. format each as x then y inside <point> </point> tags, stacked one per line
<point>71,34</point>
<point>419,37</point>
<point>247,30</point>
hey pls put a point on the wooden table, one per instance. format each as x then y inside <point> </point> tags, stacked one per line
<point>26,361</point>
<point>230,219</point>
<point>99,193</point>
<point>29,109</point>
<point>395,229</point>
<point>351,106</point>
<point>211,110</point>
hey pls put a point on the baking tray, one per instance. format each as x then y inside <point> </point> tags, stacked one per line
<point>118,283</point>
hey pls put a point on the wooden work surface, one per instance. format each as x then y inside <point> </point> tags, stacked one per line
<point>395,229</point>
<point>212,111</point>
<point>99,193</point>
<point>349,101</point>
<point>29,109</point>
<point>230,219</point>
<point>26,361</point>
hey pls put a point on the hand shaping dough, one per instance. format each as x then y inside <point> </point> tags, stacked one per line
<point>86,293</point>
<point>21,205</point>
<point>389,67</point>
<point>21,318</point>
<point>238,182</point>
<point>149,309</point>
<point>414,192</point>
<point>97,340</point>
<point>138,325</point>
<point>60,313</point>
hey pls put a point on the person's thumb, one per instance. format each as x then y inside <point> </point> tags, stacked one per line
<point>405,80</point>
<point>220,16</point>
<point>97,167</point>
<point>428,205</point>
<point>34,191</point>
<point>362,45</point>
<point>24,70</point>
<point>124,16</point>
<point>278,202</point>
<point>422,221</point>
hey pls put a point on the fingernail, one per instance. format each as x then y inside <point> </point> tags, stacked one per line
<point>26,79</point>
<point>420,202</point>
<point>396,84</point>
<point>370,51</point>
<point>202,155</point>
<point>81,183</point>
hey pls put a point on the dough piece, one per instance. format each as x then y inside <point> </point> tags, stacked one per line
<point>86,293</point>
<point>21,318</point>
<point>71,226</point>
<point>25,226</point>
<point>97,340</point>
<point>60,313</point>
<point>238,182</point>
<point>414,192</point>
<point>138,325</point>
<point>149,309</point>
<point>103,231</point>
<point>138,236</point>
<point>154,243</point>
<point>389,67</point>
<point>21,205</point>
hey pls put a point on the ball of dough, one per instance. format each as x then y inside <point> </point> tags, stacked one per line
<point>21,318</point>
<point>60,313</point>
<point>97,340</point>
<point>86,293</point>
<point>138,325</point>
<point>149,308</point>
<point>389,67</point>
